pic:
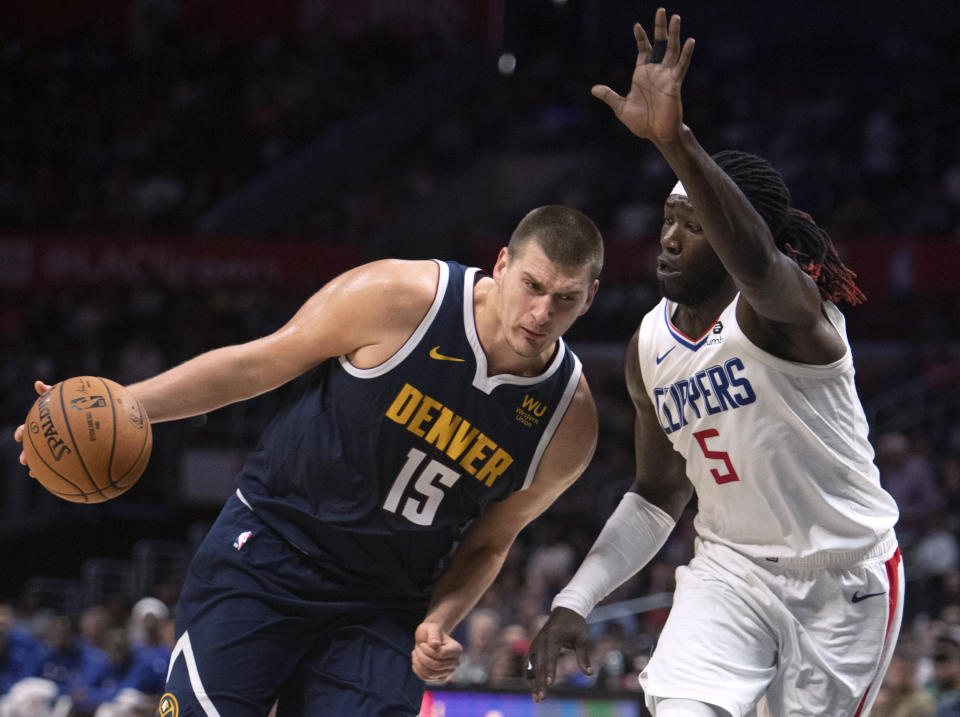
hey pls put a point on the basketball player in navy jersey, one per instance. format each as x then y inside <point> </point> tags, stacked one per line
<point>742,381</point>
<point>442,412</point>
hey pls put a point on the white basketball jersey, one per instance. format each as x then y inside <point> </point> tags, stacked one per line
<point>777,451</point>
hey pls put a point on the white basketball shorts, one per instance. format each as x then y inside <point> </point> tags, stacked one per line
<point>815,636</point>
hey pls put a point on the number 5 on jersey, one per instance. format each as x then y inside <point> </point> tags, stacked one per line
<point>428,489</point>
<point>731,475</point>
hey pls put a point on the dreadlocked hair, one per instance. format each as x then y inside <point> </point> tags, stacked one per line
<point>794,231</point>
<point>811,247</point>
<point>761,184</point>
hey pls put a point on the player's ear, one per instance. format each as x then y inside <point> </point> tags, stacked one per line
<point>591,294</point>
<point>501,262</point>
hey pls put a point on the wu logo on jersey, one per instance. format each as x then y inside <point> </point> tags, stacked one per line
<point>530,411</point>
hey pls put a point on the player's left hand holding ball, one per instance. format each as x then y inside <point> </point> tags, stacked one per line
<point>435,654</point>
<point>41,388</point>
<point>86,439</point>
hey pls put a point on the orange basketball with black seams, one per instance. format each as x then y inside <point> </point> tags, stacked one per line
<point>87,440</point>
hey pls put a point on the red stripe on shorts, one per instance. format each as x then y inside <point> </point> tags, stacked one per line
<point>893,578</point>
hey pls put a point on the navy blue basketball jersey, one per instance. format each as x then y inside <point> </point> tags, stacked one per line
<point>375,473</point>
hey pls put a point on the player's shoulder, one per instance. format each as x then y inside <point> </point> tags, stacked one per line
<point>400,285</point>
<point>651,321</point>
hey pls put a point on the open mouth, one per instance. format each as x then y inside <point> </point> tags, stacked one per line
<point>666,270</point>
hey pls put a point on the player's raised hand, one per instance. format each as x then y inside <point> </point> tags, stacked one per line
<point>41,388</point>
<point>435,654</point>
<point>652,108</point>
<point>563,629</point>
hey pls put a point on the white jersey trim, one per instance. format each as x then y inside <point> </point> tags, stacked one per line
<point>481,380</point>
<point>411,343</point>
<point>555,419</point>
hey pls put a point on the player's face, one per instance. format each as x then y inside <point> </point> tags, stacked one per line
<point>688,269</point>
<point>539,299</point>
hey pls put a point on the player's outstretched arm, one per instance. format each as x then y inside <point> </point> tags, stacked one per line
<point>772,283</point>
<point>631,536</point>
<point>372,307</point>
<point>481,553</point>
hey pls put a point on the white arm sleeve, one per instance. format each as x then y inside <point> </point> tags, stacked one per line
<point>631,537</point>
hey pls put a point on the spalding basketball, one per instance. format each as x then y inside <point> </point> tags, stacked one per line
<point>87,439</point>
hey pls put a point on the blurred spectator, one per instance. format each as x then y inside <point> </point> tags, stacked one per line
<point>946,672</point>
<point>94,627</point>
<point>910,479</point>
<point>141,672</point>
<point>936,552</point>
<point>900,694</point>
<point>61,659</point>
<point>146,619</point>
<point>30,614</point>
<point>507,662</point>
<point>483,627</point>
<point>18,650</point>
<point>35,697</point>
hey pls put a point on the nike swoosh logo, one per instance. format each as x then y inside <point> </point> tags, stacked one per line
<point>435,354</point>
<point>857,597</point>
<point>661,358</point>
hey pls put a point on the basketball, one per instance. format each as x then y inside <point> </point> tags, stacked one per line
<point>87,440</point>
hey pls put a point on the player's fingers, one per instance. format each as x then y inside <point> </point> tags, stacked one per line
<point>536,680</point>
<point>433,635</point>
<point>609,97</point>
<point>41,387</point>
<point>430,669</point>
<point>18,434</point>
<point>660,24</point>
<point>582,650</point>
<point>683,64</point>
<point>447,650</point>
<point>643,42</point>
<point>673,41</point>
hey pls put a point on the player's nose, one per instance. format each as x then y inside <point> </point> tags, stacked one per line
<point>542,309</point>
<point>670,239</point>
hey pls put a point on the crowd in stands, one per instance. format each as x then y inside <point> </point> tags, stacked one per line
<point>102,663</point>
<point>107,133</point>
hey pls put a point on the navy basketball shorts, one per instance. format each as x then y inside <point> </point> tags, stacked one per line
<point>259,624</point>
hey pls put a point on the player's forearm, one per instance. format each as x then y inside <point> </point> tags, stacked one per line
<point>462,584</point>
<point>630,538</point>
<point>202,384</point>
<point>736,232</point>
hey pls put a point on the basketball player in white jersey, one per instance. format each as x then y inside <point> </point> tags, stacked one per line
<point>743,385</point>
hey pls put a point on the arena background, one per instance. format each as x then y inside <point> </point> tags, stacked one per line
<point>175,176</point>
